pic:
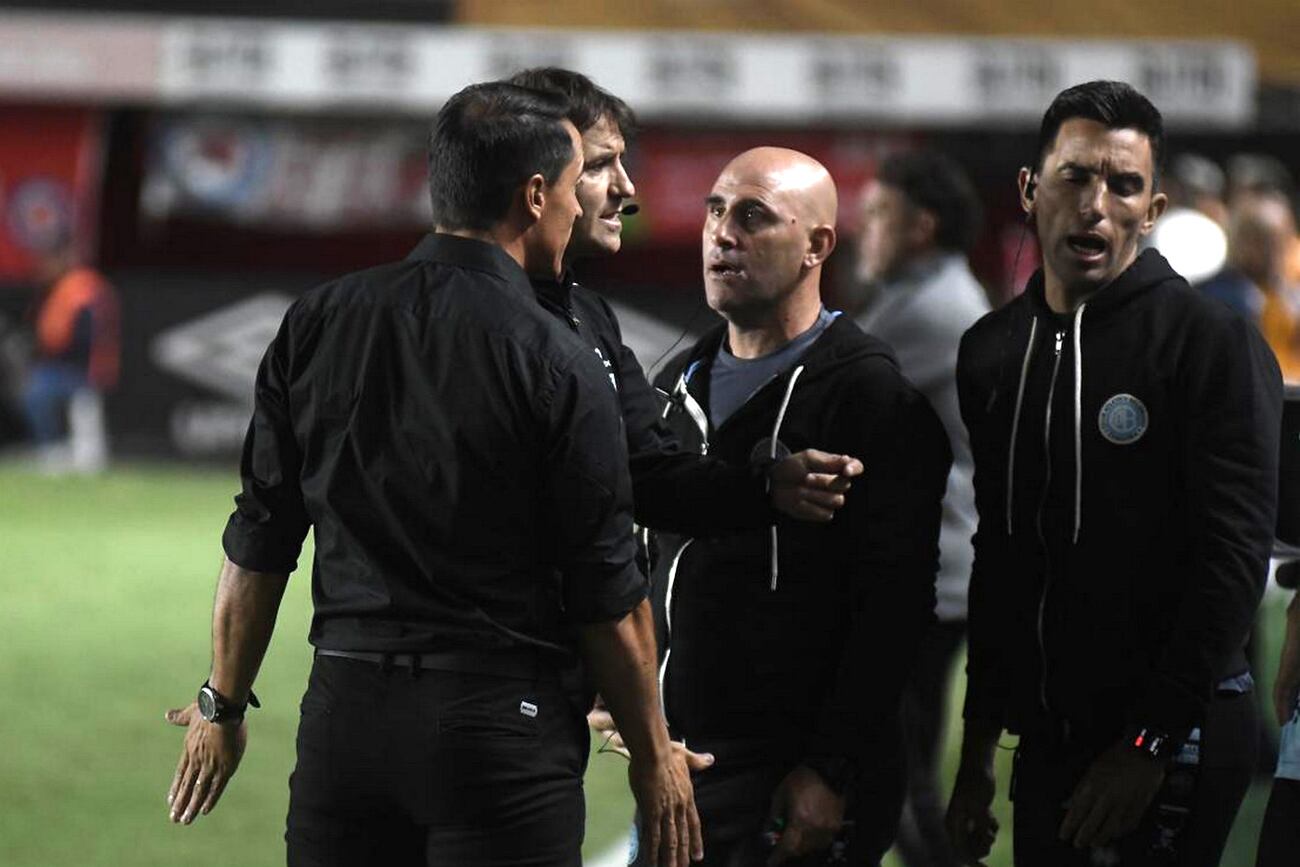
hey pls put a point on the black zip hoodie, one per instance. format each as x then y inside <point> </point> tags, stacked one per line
<point>800,636</point>
<point>1126,482</point>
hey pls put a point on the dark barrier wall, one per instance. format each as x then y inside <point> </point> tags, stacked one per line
<point>190,350</point>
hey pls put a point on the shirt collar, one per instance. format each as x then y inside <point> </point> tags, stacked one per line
<point>470,253</point>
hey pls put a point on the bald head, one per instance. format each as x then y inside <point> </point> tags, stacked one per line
<point>769,228</point>
<point>790,176</point>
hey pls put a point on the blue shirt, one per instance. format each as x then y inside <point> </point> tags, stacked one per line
<point>735,380</point>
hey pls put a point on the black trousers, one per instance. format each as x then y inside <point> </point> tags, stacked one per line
<point>1279,839</point>
<point>1045,776</point>
<point>734,798</point>
<point>399,767</point>
<point>922,837</point>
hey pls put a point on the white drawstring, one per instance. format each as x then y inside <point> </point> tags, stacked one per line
<point>776,431</point>
<point>1078,423</point>
<point>1015,419</point>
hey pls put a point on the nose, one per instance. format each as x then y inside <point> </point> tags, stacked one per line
<point>623,186</point>
<point>720,233</point>
<point>1093,203</point>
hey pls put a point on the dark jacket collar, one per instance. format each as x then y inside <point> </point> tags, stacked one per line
<point>473,254</point>
<point>557,290</point>
<point>1148,270</point>
<point>841,342</point>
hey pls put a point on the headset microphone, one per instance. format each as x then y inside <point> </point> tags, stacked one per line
<point>629,209</point>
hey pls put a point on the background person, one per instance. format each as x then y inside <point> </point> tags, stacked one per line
<point>920,216</point>
<point>76,362</point>
<point>459,456</point>
<point>1125,434</point>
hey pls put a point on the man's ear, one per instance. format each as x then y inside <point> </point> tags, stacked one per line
<point>534,193</point>
<point>925,225</point>
<point>1159,202</point>
<point>821,243</point>
<point>1028,186</point>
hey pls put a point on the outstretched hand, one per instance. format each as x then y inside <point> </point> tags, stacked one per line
<point>209,757</point>
<point>810,485</point>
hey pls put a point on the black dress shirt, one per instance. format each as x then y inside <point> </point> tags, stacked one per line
<point>459,453</point>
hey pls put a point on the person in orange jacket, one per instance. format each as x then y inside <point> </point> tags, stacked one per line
<point>77,343</point>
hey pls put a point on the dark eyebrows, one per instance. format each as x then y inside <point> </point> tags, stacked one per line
<point>716,201</point>
<point>1135,179</point>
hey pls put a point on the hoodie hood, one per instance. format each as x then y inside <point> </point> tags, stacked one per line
<point>842,344</point>
<point>1149,269</point>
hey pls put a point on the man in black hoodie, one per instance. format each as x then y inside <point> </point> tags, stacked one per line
<point>1125,434</point>
<point>787,646</point>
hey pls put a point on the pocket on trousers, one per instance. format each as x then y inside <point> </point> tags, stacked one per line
<point>484,727</point>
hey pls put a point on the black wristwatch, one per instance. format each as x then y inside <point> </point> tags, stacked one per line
<point>216,708</point>
<point>1153,743</point>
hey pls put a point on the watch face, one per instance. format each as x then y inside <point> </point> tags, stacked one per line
<point>207,704</point>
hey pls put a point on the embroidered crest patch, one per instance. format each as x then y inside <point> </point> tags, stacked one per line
<point>1123,419</point>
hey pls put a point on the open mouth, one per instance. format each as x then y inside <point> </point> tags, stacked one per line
<point>725,270</point>
<point>1087,246</point>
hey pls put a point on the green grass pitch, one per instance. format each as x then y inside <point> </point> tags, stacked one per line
<point>105,603</point>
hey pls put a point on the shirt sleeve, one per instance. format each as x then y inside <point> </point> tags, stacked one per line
<point>589,493</point>
<point>266,531</point>
<point>1233,394</point>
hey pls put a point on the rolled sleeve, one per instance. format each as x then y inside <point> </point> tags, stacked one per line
<point>266,531</point>
<point>590,492</point>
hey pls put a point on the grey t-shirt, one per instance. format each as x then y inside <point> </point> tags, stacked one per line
<point>735,380</point>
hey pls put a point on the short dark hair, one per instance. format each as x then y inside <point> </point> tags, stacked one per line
<point>486,141</point>
<point>933,181</point>
<point>588,102</point>
<point>1116,104</point>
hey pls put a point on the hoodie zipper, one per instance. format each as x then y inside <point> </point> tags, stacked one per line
<point>1042,504</point>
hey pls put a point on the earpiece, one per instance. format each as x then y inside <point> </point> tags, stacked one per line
<point>1030,187</point>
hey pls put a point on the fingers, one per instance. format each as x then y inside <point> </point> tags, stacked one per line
<point>791,845</point>
<point>651,828</point>
<point>816,461</point>
<point>214,794</point>
<point>668,840</point>
<point>1081,811</point>
<point>694,829</point>
<point>972,836</point>
<point>199,794</point>
<point>180,716</point>
<point>601,720</point>
<point>694,761</point>
<point>183,790</point>
<point>181,767</point>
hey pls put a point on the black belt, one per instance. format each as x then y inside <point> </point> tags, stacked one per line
<point>525,665</point>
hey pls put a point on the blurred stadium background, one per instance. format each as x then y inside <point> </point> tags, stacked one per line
<point>214,158</point>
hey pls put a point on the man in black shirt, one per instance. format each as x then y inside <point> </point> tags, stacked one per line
<point>674,489</point>
<point>461,458</point>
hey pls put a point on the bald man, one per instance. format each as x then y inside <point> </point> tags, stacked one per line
<point>785,648</point>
